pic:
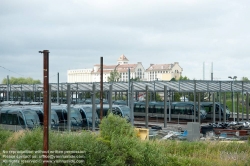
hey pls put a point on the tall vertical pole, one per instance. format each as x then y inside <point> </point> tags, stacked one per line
<point>34,96</point>
<point>203,70</point>
<point>213,108</point>
<point>62,94</point>
<point>110,96</point>
<point>68,108</point>
<point>77,93</point>
<point>165,105</point>
<point>242,94</point>
<point>194,101</point>
<point>45,105</point>
<point>247,106</point>
<point>132,105</point>
<point>146,107</point>
<point>8,88</point>
<point>101,89</point>
<point>21,92</point>
<point>169,105</point>
<point>154,92</point>
<point>232,98</point>
<point>93,107</point>
<point>49,110</point>
<point>129,88</point>
<point>11,92</point>
<point>127,94</point>
<point>224,109</point>
<point>58,88</point>
<point>237,106</point>
<point>212,72</point>
<point>220,104</point>
<point>233,102</point>
<point>199,107</point>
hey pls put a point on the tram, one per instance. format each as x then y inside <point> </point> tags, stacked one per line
<point>209,107</point>
<point>181,110</point>
<point>17,118</point>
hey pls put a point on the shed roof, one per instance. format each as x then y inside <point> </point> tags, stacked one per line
<point>158,86</point>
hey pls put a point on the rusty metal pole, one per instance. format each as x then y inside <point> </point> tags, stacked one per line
<point>45,105</point>
<point>101,89</point>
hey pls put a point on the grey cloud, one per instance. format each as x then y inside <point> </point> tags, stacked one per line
<point>78,33</point>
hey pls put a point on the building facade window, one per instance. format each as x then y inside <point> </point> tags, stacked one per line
<point>139,73</point>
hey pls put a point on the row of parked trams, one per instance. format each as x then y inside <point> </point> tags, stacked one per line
<point>24,115</point>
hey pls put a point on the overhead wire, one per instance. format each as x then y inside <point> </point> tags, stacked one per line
<point>21,74</point>
<point>11,71</point>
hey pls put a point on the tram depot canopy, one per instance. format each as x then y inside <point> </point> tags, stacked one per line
<point>139,86</point>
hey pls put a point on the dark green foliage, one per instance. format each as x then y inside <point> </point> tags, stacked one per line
<point>135,79</point>
<point>245,79</point>
<point>158,97</point>
<point>113,126</point>
<point>183,78</point>
<point>21,80</point>
<point>114,76</point>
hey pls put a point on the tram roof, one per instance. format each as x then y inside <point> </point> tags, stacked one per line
<point>140,86</point>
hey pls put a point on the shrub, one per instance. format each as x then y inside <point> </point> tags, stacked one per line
<point>126,148</point>
<point>114,126</point>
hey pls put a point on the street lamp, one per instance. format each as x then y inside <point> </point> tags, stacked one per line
<point>233,78</point>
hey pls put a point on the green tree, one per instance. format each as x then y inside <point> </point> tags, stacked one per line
<point>114,76</point>
<point>183,78</point>
<point>21,80</point>
<point>245,79</point>
<point>158,97</point>
<point>173,79</point>
<point>135,79</point>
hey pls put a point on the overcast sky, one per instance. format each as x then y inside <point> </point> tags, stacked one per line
<point>78,32</point>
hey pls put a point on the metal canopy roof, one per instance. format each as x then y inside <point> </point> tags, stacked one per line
<point>158,86</point>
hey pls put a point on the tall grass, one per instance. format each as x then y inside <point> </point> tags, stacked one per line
<point>4,136</point>
<point>117,144</point>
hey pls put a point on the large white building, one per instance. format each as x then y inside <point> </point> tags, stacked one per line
<point>154,72</point>
<point>163,71</point>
